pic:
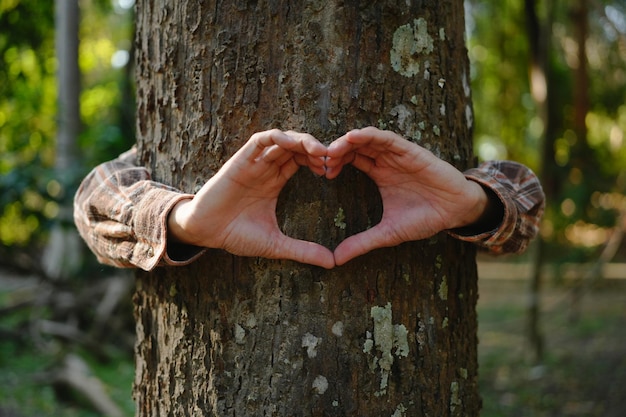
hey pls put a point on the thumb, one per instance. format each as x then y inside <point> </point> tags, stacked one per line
<point>360,244</point>
<point>305,252</point>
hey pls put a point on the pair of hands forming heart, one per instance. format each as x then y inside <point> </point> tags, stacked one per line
<point>236,209</point>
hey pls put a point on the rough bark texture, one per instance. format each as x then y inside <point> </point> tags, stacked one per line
<point>391,333</point>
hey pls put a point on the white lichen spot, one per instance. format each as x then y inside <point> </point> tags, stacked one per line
<point>335,403</point>
<point>251,321</point>
<point>368,345</point>
<point>388,339</point>
<point>442,34</point>
<point>436,130</point>
<point>384,379</point>
<point>337,329</point>
<point>466,86</point>
<point>422,125</point>
<point>409,41</point>
<point>442,109</point>
<point>240,334</point>
<point>320,384</point>
<point>443,289</point>
<point>444,324</point>
<point>402,113</point>
<point>441,82</point>
<point>383,334</point>
<point>400,341</point>
<point>455,400</point>
<point>469,116</point>
<point>400,411</point>
<point>311,342</point>
<point>340,218</point>
<point>463,373</point>
<point>414,100</point>
<point>426,74</point>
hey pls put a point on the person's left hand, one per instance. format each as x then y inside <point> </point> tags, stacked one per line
<point>236,209</point>
<point>421,194</point>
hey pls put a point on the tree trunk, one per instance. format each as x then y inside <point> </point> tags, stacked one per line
<point>538,40</point>
<point>390,333</point>
<point>63,254</point>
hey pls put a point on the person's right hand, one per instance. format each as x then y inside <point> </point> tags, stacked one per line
<point>422,194</point>
<point>236,209</point>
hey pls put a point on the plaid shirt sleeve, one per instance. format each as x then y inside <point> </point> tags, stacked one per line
<point>520,192</point>
<point>122,216</point>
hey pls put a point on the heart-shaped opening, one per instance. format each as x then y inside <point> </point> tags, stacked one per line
<point>326,211</point>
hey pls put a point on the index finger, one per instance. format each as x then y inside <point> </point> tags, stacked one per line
<point>382,140</point>
<point>290,141</point>
<point>307,144</point>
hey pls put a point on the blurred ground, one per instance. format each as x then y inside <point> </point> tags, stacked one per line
<point>583,374</point>
<point>584,370</point>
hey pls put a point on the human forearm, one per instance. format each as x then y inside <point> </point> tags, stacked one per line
<point>121,214</point>
<point>520,205</point>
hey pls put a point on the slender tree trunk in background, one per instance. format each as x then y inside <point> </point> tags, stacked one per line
<point>538,40</point>
<point>391,333</point>
<point>63,254</point>
<point>579,14</point>
<point>580,23</point>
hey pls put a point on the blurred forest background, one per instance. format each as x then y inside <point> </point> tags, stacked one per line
<point>549,90</point>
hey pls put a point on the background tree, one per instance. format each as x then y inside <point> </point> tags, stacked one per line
<point>566,109</point>
<point>580,221</point>
<point>62,257</point>
<point>32,190</point>
<point>391,332</point>
<point>586,192</point>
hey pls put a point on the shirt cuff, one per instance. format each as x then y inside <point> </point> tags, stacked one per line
<point>506,228</point>
<point>150,225</point>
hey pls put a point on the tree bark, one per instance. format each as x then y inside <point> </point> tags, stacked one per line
<point>390,333</point>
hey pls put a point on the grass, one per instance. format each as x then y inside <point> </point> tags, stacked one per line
<point>582,374</point>
<point>584,368</point>
<point>26,366</point>
<point>24,392</point>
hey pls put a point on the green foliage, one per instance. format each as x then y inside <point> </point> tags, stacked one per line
<point>507,124</point>
<point>583,171</point>
<point>30,189</point>
<point>503,107</point>
<point>31,358</point>
<point>27,117</point>
<point>25,388</point>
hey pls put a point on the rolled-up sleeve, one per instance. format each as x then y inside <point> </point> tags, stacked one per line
<point>523,199</point>
<point>122,216</point>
